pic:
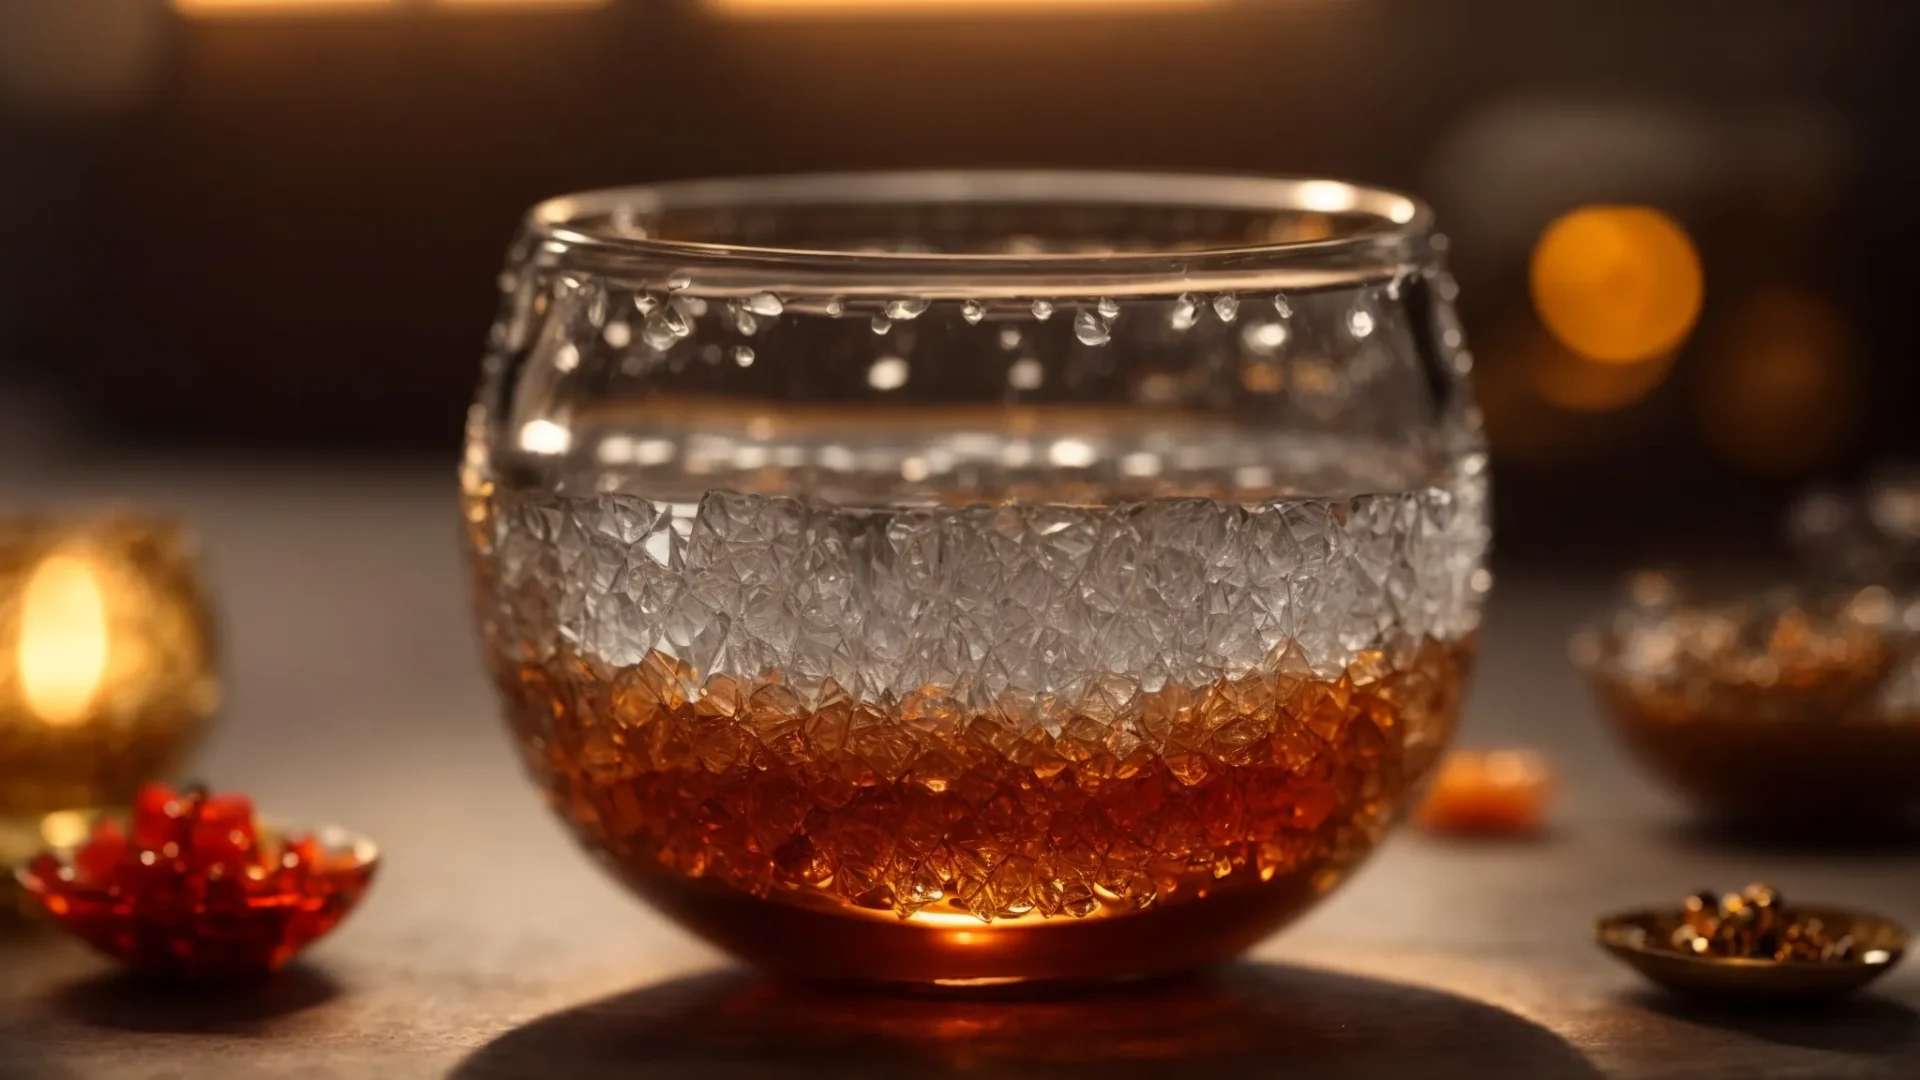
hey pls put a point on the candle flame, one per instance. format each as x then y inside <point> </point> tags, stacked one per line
<point>63,639</point>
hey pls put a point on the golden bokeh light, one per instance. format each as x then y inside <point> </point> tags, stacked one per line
<point>1617,284</point>
<point>1780,387</point>
<point>778,8</point>
<point>219,8</point>
<point>62,653</point>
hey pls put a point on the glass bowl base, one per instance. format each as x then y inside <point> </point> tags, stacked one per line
<point>959,951</point>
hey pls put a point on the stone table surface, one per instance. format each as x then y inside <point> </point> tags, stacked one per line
<point>491,949</point>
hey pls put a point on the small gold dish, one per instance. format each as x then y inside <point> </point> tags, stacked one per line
<point>1642,940</point>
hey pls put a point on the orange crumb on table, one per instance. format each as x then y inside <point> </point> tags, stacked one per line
<point>1488,793</point>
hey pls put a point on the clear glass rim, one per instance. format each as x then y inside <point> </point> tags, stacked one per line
<point>1390,229</point>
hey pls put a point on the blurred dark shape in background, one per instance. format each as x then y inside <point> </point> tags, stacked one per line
<point>260,226</point>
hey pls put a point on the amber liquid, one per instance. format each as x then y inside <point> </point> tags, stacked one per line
<point>918,841</point>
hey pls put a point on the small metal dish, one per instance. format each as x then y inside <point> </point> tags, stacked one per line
<point>1639,939</point>
<point>186,934</point>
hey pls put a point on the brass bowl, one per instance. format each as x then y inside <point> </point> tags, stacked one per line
<point>1638,939</point>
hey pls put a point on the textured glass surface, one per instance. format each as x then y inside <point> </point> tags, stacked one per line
<point>1097,554</point>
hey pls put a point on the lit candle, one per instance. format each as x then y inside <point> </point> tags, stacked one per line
<point>107,664</point>
<point>62,655</point>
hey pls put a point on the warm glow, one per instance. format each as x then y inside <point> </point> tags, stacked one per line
<point>943,7</point>
<point>65,828</point>
<point>1617,284</point>
<point>506,5</point>
<point>214,8</point>
<point>1544,403</point>
<point>1573,382</point>
<point>63,639</point>
<point>1327,196</point>
<point>1780,382</point>
<point>204,8</point>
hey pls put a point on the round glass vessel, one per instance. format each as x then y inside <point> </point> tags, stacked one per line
<point>978,577</point>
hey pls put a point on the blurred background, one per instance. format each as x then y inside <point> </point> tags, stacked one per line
<point>251,230</point>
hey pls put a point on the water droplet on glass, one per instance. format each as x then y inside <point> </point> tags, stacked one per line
<point>676,321</point>
<point>1282,308</point>
<point>1108,308</point>
<point>973,311</point>
<point>1359,322</point>
<point>1393,287</point>
<point>1186,312</point>
<point>1025,374</point>
<point>618,334</point>
<point>709,354</point>
<point>657,333</point>
<point>744,322</point>
<point>881,324</point>
<point>743,356</point>
<point>691,306</point>
<point>1091,329</point>
<point>1042,310</point>
<point>1009,337</point>
<point>887,373</point>
<point>836,307</point>
<point>507,281</point>
<point>678,282</point>
<point>1227,306</point>
<point>644,303</point>
<point>566,357</point>
<point>907,309</point>
<point>597,309</point>
<point>765,303</point>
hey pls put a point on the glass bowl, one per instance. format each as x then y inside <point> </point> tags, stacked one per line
<point>978,577</point>
<point>1793,707</point>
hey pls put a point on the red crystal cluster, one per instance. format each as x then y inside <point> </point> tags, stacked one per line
<point>192,886</point>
